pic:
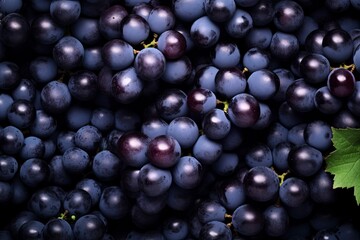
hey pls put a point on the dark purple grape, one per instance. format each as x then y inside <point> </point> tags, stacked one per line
<point>341,82</point>
<point>150,64</point>
<point>172,103</point>
<point>110,21</point>
<point>337,45</point>
<point>172,44</point>
<point>289,16</point>
<point>68,53</point>
<point>204,32</point>
<point>14,30</point>
<point>220,10</point>
<point>126,86</point>
<point>154,181</point>
<point>163,151</point>
<point>248,220</point>
<point>244,110</point>
<point>305,160</point>
<point>261,184</point>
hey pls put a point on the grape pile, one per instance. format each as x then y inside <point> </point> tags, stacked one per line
<point>182,119</point>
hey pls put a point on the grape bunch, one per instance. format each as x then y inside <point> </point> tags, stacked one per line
<point>182,119</point>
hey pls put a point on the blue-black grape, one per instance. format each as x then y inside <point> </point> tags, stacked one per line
<point>341,82</point>
<point>65,12</point>
<point>34,172</point>
<point>280,155</point>
<point>68,53</point>
<point>188,11</point>
<point>244,110</point>
<point>150,64</point>
<point>207,151</point>
<point>172,44</point>
<point>263,84</point>
<point>172,103</point>
<point>318,134</point>
<point>6,101</point>
<point>31,230</point>
<point>305,160</point>
<point>248,220</point>
<point>216,124</point>
<point>55,97</point>
<point>184,130</point>
<point>15,30</point>
<point>45,204</point>
<point>75,160</point>
<point>315,68</point>
<point>126,86</point>
<point>337,45</point>
<point>326,102</point>
<point>175,228</point>
<point>113,203</point>
<point>178,71</point>
<point>33,148</point>
<point>25,90</point>
<point>117,54</point>
<point>256,59</point>
<point>161,19</point>
<point>45,30</point>
<point>9,75</point>
<point>87,31</point>
<point>92,187</point>
<point>106,165</point>
<point>88,138</point>
<point>261,184</point>
<point>163,151</point>
<point>284,46</point>
<point>231,194</point>
<point>77,202</point>
<point>154,181</point>
<point>215,230</point>
<point>259,155</point>
<point>276,221</point>
<point>110,20</point>
<point>188,172</point>
<point>293,192</point>
<point>88,227</point>
<point>204,32</point>
<point>133,147</point>
<point>57,229</point>
<point>288,16</point>
<point>230,82</point>
<point>300,96</point>
<point>239,24</point>
<point>11,140</point>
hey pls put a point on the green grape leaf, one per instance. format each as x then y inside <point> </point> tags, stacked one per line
<point>344,161</point>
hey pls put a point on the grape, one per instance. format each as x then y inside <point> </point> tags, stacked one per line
<point>106,165</point>
<point>244,110</point>
<point>9,75</point>
<point>21,114</point>
<point>150,64</point>
<point>151,205</point>
<point>261,184</point>
<point>117,54</point>
<point>154,181</point>
<point>276,221</point>
<point>258,37</point>
<point>88,227</point>
<point>204,32</point>
<point>263,84</point>
<point>326,102</point>
<point>300,96</point>
<point>92,187</point>
<point>175,228</point>
<point>188,172</point>
<point>45,204</point>
<point>293,192</point>
<point>55,97</point>
<point>177,71</point>
<point>163,151</point>
<point>68,53</point>
<point>248,220</point>
<point>75,160</point>
<point>225,55</point>
<point>231,194</point>
<point>259,155</point>
<point>261,11</point>
<point>318,134</point>
<point>230,82</point>
<point>206,150</point>
<point>160,19</point>
<point>126,86</point>
<point>313,42</point>
<point>57,229</point>
<point>34,172</point>
<point>305,160</point>
<point>184,130</point>
<point>14,30</point>
<point>45,30</point>
<point>288,16</point>
<point>10,7</point>
<point>215,230</point>
<point>172,44</point>
<point>256,59</point>
<point>201,100</point>
<point>65,12</point>
<point>205,77</point>
<point>337,45</point>
<point>25,90</point>
<point>284,45</point>
<point>11,140</point>
<point>5,102</point>
<point>77,202</point>
<point>109,21</point>
<point>133,147</point>
<point>341,82</point>
<point>216,124</point>
<point>315,68</point>
<point>188,11</point>
<point>31,230</point>
<point>220,10</point>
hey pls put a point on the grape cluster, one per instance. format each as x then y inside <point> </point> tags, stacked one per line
<point>182,119</point>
